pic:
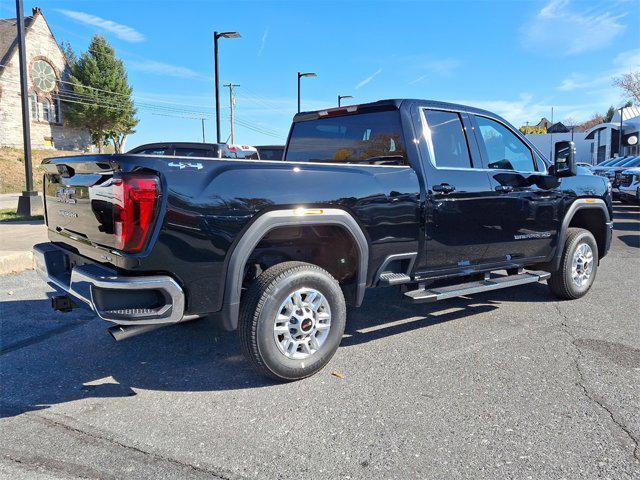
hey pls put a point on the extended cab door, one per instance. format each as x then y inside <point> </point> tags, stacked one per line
<point>525,217</point>
<point>457,192</point>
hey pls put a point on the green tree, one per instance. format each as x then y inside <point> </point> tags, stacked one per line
<point>100,99</point>
<point>69,54</point>
<point>610,113</point>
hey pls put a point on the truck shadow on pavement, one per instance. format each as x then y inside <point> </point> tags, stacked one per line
<point>627,212</point>
<point>79,360</point>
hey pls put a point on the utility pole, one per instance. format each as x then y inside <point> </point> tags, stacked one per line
<point>232,103</point>
<point>29,202</point>
<point>202,121</point>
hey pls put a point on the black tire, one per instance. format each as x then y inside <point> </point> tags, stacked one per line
<point>561,282</point>
<point>260,306</point>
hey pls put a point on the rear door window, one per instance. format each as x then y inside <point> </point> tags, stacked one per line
<point>446,139</point>
<point>365,138</point>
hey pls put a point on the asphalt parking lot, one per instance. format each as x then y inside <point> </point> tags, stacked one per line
<point>507,384</point>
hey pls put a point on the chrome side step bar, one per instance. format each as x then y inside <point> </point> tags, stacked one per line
<point>423,295</point>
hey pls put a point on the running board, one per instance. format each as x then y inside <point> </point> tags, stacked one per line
<point>442,293</point>
<point>390,278</point>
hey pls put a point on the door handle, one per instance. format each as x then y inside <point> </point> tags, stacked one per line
<point>504,188</point>
<point>443,188</point>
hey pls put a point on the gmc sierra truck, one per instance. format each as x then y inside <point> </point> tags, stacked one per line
<point>438,200</point>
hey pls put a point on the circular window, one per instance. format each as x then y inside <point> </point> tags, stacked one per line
<point>44,76</point>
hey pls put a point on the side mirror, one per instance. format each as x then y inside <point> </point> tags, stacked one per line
<point>564,163</point>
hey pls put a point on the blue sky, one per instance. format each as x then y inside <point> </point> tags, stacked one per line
<point>517,58</point>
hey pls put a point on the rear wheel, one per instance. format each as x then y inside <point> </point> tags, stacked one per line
<point>291,320</point>
<point>578,266</point>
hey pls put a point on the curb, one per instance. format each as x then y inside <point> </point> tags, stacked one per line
<point>15,262</point>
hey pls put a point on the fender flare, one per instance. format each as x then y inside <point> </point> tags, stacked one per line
<point>285,218</point>
<point>579,204</point>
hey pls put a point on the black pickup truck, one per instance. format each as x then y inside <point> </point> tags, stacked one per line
<point>440,200</point>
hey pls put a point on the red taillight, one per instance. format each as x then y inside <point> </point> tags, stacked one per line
<point>134,211</point>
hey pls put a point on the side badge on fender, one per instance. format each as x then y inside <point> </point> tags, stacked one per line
<point>182,166</point>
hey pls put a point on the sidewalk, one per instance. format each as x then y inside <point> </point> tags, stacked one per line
<point>10,201</point>
<point>16,242</point>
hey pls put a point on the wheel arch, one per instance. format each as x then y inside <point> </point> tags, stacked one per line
<point>271,220</point>
<point>588,213</point>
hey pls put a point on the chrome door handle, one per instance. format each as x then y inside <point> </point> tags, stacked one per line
<point>504,188</point>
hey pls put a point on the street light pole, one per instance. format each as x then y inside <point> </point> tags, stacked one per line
<point>300,75</point>
<point>215,59</point>
<point>216,36</point>
<point>340,97</point>
<point>620,134</point>
<point>28,202</point>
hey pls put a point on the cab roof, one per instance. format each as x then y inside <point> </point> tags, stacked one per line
<point>389,104</point>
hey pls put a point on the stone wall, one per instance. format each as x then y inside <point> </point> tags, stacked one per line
<point>40,45</point>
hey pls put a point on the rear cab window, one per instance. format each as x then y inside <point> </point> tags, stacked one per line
<point>192,152</point>
<point>373,138</point>
<point>152,151</point>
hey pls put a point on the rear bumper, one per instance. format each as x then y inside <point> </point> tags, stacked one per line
<point>142,300</point>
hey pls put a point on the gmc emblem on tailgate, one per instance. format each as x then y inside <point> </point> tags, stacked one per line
<point>66,195</point>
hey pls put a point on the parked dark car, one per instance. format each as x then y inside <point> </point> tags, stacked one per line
<point>271,152</point>
<point>441,200</point>
<point>195,149</point>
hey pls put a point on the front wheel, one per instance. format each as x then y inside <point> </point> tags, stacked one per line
<point>578,265</point>
<point>291,320</point>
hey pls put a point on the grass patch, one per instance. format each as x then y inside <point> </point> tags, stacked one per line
<point>12,167</point>
<point>10,215</point>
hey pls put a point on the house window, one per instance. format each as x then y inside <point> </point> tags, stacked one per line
<point>34,106</point>
<point>47,112</point>
<point>44,76</point>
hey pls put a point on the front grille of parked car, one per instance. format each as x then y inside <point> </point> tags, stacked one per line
<point>625,180</point>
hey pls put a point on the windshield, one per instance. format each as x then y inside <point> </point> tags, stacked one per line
<point>632,162</point>
<point>373,138</point>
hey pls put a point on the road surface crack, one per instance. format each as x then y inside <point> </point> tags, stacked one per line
<point>214,474</point>
<point>581,383</point>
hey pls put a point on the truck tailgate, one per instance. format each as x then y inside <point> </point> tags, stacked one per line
<point>90,199</point>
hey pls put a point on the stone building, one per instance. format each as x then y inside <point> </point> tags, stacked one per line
<point>46,74</point>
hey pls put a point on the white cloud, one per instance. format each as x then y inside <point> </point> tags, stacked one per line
<point>263,42</point>
<point>527,109</point>
<point>368,79</point>
<point>560,28</point>
<point>159,68</point>
<point>624,62</point>
<point>123,32</point>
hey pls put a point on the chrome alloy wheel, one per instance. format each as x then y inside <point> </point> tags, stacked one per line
<point>582,265</point>
<point>302,323</point>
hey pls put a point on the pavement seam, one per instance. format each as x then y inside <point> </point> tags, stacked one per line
<point>34,465</point>
<point>581,383</point>
<point>56,423</point>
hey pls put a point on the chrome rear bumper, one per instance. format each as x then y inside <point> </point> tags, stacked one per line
<point>123,300</point>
